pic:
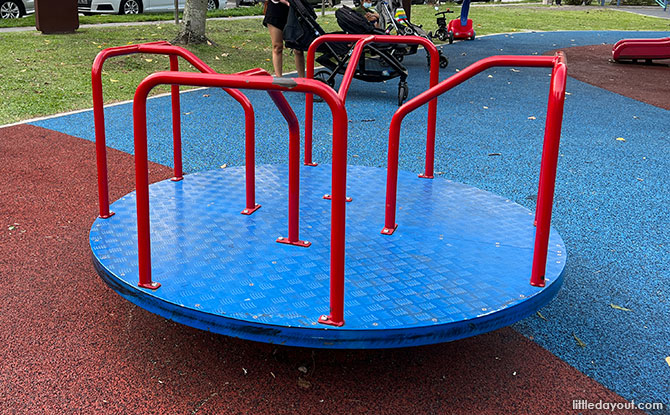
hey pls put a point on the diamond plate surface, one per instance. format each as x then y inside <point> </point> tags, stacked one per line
<point>458,265</point>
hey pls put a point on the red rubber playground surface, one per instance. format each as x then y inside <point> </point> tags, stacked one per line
<point>69,344</point>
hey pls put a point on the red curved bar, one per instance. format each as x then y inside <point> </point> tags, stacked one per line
<point>162,48</point>
<point>339,168</point>
<point>361,41</point>
<point>293,170</point>
<point>351,69</point>
<point>548,166</point>
<point>549,153</point>
<point>176,124</point>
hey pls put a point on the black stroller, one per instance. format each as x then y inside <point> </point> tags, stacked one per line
<point>379,61</point>
<point>386,10</point>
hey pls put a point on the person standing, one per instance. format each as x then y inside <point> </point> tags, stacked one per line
<point>276,15</point>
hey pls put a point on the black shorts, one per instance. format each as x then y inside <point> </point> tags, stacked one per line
<point>276,15</point>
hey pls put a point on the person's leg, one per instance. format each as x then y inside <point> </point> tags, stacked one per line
<point>407,6</point>
<point>277,38</point>
<point>299,62</point>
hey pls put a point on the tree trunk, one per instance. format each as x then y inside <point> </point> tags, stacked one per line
<point>193,23</point>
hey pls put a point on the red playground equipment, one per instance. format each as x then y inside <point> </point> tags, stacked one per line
<point>424,260</point>
<point>462,28</point>
<point>641,49</point>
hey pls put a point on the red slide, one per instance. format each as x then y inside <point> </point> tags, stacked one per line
<point>647,49</point>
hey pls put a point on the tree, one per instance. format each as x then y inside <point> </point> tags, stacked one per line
<point>193,23</point>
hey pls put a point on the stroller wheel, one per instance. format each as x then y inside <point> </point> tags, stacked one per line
<point>444,62</point>
<point>324,76</point>
<point>403,91</point>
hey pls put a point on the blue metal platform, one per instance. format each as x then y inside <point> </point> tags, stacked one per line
<point>458,265</point>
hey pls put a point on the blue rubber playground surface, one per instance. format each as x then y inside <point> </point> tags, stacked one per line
<point>611,204</point>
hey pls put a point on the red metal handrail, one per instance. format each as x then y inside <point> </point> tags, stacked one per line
<point>293,161</point>
<point>549,153</point>
<point>361,41</point>
<point>339,167</point>
<point>164,48</point>
<point>176,124</point>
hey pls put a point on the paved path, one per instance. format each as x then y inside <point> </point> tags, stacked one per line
<point>653,11</point>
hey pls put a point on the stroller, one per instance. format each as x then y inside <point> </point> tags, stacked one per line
<point>392,22</point>
<point>379,63</point>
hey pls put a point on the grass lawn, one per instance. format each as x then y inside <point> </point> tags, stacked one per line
<point>47,74</point>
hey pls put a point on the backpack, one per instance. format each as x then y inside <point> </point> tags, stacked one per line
<point>297,32</point>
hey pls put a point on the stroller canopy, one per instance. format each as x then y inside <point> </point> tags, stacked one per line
<point>352,22</point>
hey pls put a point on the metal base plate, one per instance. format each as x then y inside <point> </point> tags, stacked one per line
<point>458,265</point>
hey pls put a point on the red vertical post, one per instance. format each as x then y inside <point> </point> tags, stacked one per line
<point>428,172</point>
<point>338,223</point>
<point>142,187</point>
<point>176,124</point>
<point>294,186</point>
<point>309,105</point>
<point>250,160</point>
<point>309,108</point>
<point>338,214</point>
<point>539,190</point>
<point>293,168</point>
<point>547,182</point>
<point>392,174</point>
<point>100,145</point>
<point>309,120</point>
<point>249,140</point>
